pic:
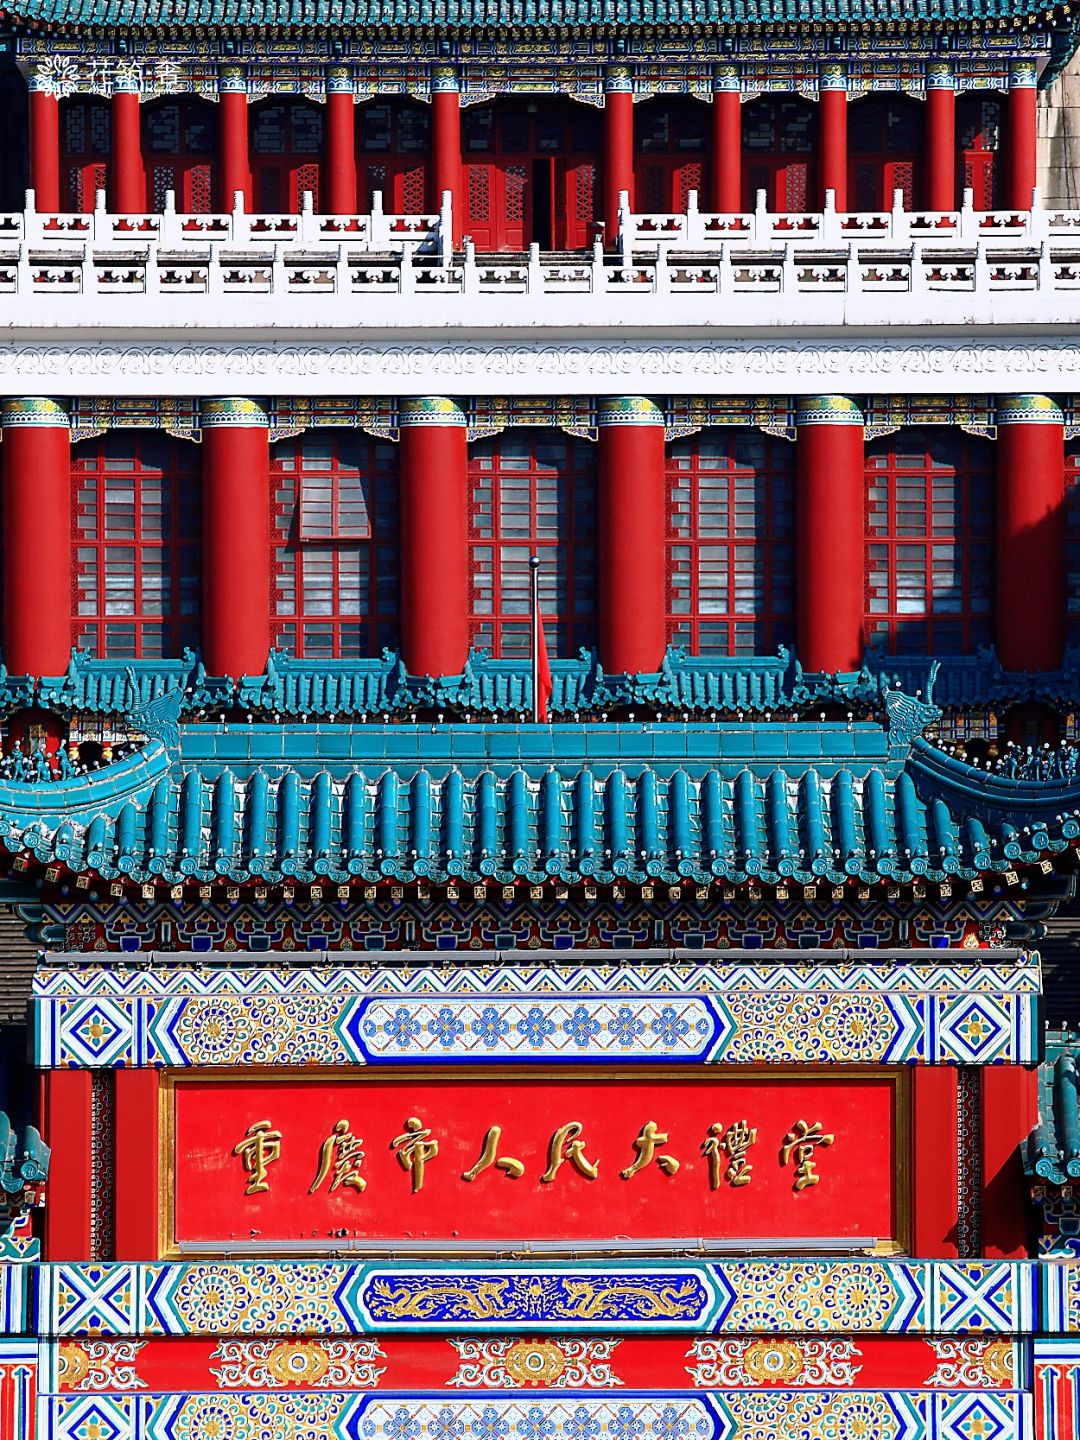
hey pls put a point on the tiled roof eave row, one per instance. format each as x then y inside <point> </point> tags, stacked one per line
<point>831,824</point>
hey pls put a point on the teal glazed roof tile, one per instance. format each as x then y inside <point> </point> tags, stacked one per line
<point>892,809</point>
<point>461,14</point>
<point>1052,1152</point>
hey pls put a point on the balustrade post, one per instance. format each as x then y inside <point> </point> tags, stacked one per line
<point>618,147</point>
<point>1029,615</point>
<point>340,142</point>
<point>727,140</point>
<point>127,178</point>
<point>44,143</point>
<point>434,494</point>
<point>1020,136</point>
<point>632,543</point>
<point>446,144</point>
<point>830,533</point>
<point>833,100</point>
<point>940,137</point>
<point>37,622</point>
<point>236,536</point>
<point>235,156</point>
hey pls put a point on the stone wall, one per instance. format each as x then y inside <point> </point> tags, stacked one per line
<point>1059,139</point>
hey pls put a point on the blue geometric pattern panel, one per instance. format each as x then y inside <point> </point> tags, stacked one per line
<point>718,1415</point>
<point>735,1014</point>
<point>738,1297</point>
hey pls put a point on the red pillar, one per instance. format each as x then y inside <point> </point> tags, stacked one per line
<point>618,146</point>
<point>36,624</point>
<point>834,161</point>
<point>340,144</point>
<point>1010,1109</point>
<point>446,143</point>
<point>830,533</point>
<point>940,138</point>
<point>235,160</point>
<point>631,522</point>
<point>236,537</point>
<point>727,141</point>
<point>1020,136</point>
<point>434,536</point>
<point>935,1187</point>
<point>44,144</point>
<point>67,1128</point>
<point>1029,624</point>
<point>127,179</point>
<point>137,1140</point>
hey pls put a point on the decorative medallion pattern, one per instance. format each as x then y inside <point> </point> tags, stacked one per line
<point>722,1363</point>
<point>508,1364</point>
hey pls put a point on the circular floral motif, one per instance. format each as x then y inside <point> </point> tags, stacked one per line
<point>534,1362</point>
<point>213,1032</point>
<point>997,1361</point>
<point>773,1360</point>
<point>445,1027</point>
<point>209,1300</point>
<point>296,1363</point>
<point>626,1026</point>
<point>490,1027</point>
<point>535,1026</point>
<point>207,1417</point>
<point>857,1417</point>
<point>581,1026</point>
<point>536,1424</point>
<point>447,1425</point>
<point>73,1367</point>
<point>490,1424</point>
<point>582,1424</point>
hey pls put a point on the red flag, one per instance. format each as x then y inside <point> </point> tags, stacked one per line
<point>543,671</point>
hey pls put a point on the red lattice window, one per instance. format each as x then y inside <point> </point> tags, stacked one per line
<point>671,140</point>
<point>335,544</point>
<point>85,143</point>
<point>779,142</point>
<point>730,543</point>
<point>532,490</point>
<point>530,173</point>
<point>138,576</point>
<point>394,138</point>
<point>286,150</point>
<point>885,139</point>
<point>180,144</point>
<point>978,140</point>
<point>929,551</point>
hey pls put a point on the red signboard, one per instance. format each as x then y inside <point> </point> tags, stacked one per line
<point>495,1158</point>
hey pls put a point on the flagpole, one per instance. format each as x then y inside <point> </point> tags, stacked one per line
<point>534,576</point>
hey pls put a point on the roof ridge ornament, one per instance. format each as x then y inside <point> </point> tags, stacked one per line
<point>907,716</point>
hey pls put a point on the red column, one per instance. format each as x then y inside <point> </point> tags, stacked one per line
<point>618,146</point>
<point>340,143</point>
<point>940,190</point>
<point>235,160</point>
<point>67,1128</point>
<point>36,624</point>
<point>830,533</point>
<point>446,143</point>
<point>236,537</point>
<point>834,162</point>
<point>127,179</point>
<point>1029,622</point>
<point>44,144</point>
<point>631,523</point>
<point>727,141</point>
<point>1010,1109</point>
<point>136,1203</point>
<point>434,536</point>
<point>1020,136</point>
<point>935,1185</point>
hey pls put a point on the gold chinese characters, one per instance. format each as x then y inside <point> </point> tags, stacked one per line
<point>725,1149</point>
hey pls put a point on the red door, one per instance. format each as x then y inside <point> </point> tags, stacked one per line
<point>393,139</point>
<point>85,142</point>
<point>978,135</point>
<point>779,148</point>
<point>671,141</point>
<point>530,174</point>
<point>180,142</point>
<point>885,139</point>
<point>286,151</point>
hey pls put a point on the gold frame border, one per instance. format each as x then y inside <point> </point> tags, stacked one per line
<point>899,1076</point>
